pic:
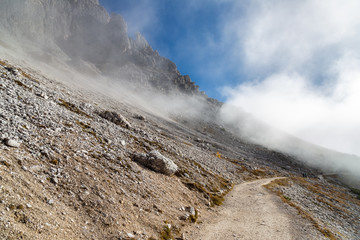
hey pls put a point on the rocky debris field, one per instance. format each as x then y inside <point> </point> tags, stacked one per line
<point>75,164</point>
<point>328,206</point>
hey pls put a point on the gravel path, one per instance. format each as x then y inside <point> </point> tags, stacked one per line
<point>253,212</point>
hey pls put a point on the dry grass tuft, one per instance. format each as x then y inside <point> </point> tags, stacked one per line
<point>72,108</point>
<point>166,233</point>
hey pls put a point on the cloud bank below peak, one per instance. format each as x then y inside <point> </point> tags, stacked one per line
<point>304,64</point>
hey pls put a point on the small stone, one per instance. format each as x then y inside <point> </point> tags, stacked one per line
<point>191,210</point>
<point>50,202</point>
<point>140,117</point>
<point>130,235</point>
<point>123,142</point>
<point>54,180</point>
<point>184,217</point>
<point>24,168</point>
<point>77,168</point>
<point>12,143</point>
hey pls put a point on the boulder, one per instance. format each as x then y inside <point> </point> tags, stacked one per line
<point>11,143</point>
<point>156,162</point>
<point>115,118</point>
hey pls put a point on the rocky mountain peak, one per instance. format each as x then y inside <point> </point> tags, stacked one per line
<point>85,32</point>
<point>140,41</point>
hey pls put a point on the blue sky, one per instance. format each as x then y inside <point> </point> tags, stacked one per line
<point>183,32</point>
<point>292,64</point>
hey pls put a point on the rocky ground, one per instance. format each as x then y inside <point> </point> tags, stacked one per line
<point>328,206</point>
<point>74,164</point>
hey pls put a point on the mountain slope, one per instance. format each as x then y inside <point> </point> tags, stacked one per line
<point>67,172</point>
<point>77,156</point>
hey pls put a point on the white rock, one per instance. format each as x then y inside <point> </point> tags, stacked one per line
<point>130,235</point>
<point>12,143</point>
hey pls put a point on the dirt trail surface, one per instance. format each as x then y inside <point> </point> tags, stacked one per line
<point>253,212</point>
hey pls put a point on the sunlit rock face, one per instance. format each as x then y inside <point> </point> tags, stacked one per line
<point>83,31</point>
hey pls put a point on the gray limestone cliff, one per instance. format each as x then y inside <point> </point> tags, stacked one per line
<point>82,30</point>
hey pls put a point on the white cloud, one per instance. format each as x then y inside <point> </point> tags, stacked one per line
<point>288,34</point>
<point>306,57</point>
<point>326,114</point>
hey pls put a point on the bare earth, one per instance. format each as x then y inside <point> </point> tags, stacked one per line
<point>253,212</point>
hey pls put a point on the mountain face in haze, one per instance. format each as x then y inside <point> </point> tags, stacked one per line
<point>82,31</point>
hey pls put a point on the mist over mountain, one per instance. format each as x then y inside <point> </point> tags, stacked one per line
<point>82,35</point>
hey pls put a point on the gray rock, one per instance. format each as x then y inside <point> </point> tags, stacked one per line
<point>184,217</point>
<point>54,180</point>
<point>12,143</point>
<point>139,117</point>
<point>115,118</point>
<point>191,210</point>
<point>157,162</point>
